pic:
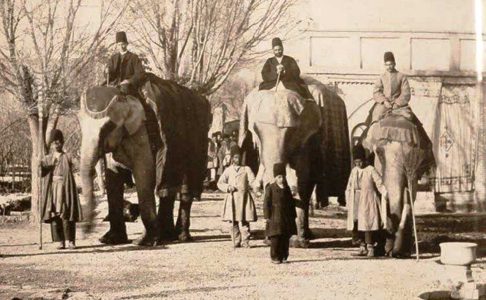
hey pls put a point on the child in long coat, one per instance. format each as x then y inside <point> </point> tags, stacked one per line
<point>366,211</point>
<point>61,207</point>
<point>239,207</point>
<point>279,211</point>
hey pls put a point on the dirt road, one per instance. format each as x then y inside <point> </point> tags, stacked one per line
<point>209,268</point>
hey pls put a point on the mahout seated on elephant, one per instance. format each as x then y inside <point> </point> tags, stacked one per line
<point>171,161</point>
<point>287,128</point>
<point>283,69</point>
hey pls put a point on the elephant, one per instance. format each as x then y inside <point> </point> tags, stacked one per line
<point>404,155</point>
<point>288,129</point>
<point>161,138</point>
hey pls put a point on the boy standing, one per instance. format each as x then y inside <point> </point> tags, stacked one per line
<point>239,207</point>
<point>279,211</point>
<point>366,211</point>
<point>61,207</point>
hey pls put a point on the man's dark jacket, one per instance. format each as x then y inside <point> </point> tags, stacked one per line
<point>279,208</point>
<point>129,67</point>
<point>290,78</point>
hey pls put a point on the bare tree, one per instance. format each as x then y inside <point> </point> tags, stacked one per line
<point>44,46</point>
<point>200,42</point>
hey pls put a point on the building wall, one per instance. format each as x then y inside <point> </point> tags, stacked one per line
<point>434,44</point>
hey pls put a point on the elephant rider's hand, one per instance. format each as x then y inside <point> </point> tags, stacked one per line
<point>293,190</point>
<point>388,104</point>
<point>124,88</point>
<point>280,68</point>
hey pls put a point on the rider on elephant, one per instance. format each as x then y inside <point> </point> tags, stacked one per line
<point>392,95</point>
<point>286,67</point>
<point>125,69</point>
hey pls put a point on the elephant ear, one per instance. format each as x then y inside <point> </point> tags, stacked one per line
<point>127,112</point>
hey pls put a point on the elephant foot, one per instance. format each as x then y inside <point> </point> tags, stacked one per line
<point>168,236</point>
<point>147,240</point>
<point>111,238</point>
<point>184,237</point>
<point>308,235</point>
<point>400,255</point>
<point>296,242</point>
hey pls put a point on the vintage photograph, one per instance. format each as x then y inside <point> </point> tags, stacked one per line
<point>242,149</point>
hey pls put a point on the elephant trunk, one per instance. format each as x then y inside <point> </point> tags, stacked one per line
<point>89,158</point>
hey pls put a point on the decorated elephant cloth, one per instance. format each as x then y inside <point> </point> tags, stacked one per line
<point>281,108</point>
<point>396,126</point>
<point>334,133</point>
<point>184,119</point>
<point>100,102</point>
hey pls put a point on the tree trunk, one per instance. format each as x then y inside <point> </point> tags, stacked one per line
<point>34,134</point>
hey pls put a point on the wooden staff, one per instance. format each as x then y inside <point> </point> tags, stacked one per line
<point>278,80</point>
<point>232,219</point>
<point>413,219</point>
<point>41,152</point>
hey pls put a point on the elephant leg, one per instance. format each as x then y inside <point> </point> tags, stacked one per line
<point>114,189</point>
<point>394,182</point>
<point>403,236</point>
<point>165,217</point>
<point>137,147</point>
<point>184,218</point>
<point>302,211</point>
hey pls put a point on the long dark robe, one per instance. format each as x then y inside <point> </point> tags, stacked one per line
<point>290,78</point>
<point>279,208</point>
<point>60,198</point>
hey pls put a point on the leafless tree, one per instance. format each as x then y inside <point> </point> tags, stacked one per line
<point>200,42</point>
<point>46,44</point>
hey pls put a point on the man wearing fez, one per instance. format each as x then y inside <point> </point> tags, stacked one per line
<point>391,91</point>
<point>392,94</point>
<point>125,69</point>
<point>283,68</point>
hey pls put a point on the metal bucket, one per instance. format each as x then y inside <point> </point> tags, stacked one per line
<point>458,253</point>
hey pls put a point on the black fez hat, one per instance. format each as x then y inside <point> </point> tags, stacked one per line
<point>56,135</point>
<point>359,152</point>
<point>121,37</point>
<point>234,150</point>
<point>277,42</point>
<point>389,57</point>
<point>279,169</point>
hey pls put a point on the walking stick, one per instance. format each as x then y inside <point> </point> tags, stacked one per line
<point>232,219</point>
<point>413,220</point>
<point>39,170</point>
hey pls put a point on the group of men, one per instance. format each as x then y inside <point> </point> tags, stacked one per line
<point>219,155</point>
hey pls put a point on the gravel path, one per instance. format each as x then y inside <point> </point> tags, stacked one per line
<point>210,268</point>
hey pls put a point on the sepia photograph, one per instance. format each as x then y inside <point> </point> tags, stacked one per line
<point>242,149</point>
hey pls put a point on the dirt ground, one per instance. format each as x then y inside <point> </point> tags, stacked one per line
<point>209,268</point>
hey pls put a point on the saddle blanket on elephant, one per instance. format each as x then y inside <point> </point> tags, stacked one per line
<point>335,147</point>
<point>98,100</point>
<point>281,108</point>
<point>183,118</point>
<point>396,127</point>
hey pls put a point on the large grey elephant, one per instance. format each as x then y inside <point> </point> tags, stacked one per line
<point>288,129</point>
<point>404,155</point>
<point>161,139</point>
